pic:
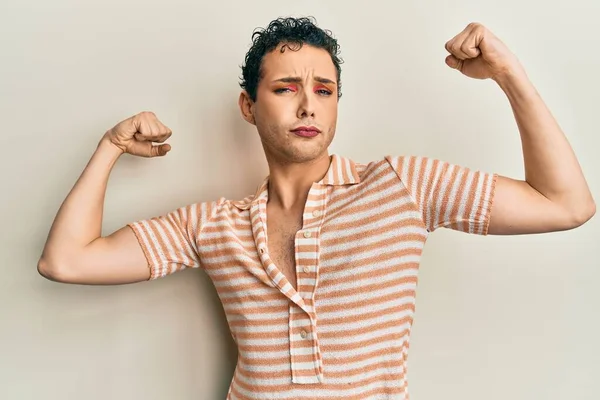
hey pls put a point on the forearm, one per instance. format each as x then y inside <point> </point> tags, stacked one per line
<point>79,219</point>
<point>551,167</point>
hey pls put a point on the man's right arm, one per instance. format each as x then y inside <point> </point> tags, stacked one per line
<point>75,251</point>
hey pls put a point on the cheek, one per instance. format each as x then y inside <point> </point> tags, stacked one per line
<point>268,126</point>
<point>275,109</point>
<point>331,112</point>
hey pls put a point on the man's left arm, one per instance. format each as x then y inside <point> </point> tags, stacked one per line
<point>554,195</point>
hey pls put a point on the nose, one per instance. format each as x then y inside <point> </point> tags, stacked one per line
<point>306,108</point>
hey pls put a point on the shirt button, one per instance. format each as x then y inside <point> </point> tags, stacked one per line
<point>307,234</point>
<point>303,334</point>
<point>317,213</point>
<point>262,251</point>
<point>306,269</point>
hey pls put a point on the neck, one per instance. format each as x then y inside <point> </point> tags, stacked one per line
<point>290,183</point>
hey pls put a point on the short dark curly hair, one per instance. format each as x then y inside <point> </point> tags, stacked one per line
<point>293,32</point>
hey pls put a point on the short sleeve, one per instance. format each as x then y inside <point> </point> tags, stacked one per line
<point>447,195</point>
<point>169,242</point>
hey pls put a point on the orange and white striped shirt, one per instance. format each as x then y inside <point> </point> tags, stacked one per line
<point>344,332</point>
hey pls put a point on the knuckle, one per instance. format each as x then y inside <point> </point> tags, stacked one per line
<point>148,114</point>
<point>479,28</point>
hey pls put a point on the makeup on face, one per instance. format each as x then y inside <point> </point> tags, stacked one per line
<point>293,84</point>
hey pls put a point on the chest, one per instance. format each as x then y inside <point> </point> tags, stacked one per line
<point>281,233</point>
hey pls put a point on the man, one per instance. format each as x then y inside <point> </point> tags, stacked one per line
<point>317,270</point>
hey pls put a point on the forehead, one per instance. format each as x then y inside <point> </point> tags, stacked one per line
<point>298,62</point>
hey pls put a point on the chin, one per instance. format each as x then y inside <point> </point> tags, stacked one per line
<point>305,154</point>
<point>298,151</point>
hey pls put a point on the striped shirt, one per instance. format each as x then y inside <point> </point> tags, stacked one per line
<point>343,333</point>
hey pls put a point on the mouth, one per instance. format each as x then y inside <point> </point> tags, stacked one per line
<point>306,131</point>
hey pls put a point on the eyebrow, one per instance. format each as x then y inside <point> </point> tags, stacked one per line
<point>296,79</point>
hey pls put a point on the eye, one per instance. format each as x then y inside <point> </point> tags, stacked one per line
<point>324,92</point>
<point>287,88</point>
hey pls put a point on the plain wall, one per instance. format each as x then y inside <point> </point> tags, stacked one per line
<point>497,317</point>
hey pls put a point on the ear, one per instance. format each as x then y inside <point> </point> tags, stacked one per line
<point>246,107</point>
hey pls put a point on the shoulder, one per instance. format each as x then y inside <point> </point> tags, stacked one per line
<point>347,170</point>
<point>391,164</point>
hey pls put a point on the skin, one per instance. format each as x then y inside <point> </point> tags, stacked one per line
<point>554,195</point>
<point>298,88</point>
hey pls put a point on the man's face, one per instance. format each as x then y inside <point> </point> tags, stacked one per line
<point>297,89</point>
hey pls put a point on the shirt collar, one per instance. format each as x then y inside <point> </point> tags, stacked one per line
<point>342,171</point>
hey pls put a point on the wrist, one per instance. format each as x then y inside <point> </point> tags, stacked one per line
<point>516,86</point>
<point>515,76</point>
<point>105,145</point>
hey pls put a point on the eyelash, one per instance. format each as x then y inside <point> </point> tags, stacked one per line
<point>326,92</point>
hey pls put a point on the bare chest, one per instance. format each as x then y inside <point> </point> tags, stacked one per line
<point>281,233</point>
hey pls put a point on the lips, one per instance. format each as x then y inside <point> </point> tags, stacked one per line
<point>306,131</point>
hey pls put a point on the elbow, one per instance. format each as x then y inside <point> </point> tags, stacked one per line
<point>52,271</point>
<point>582,214</point>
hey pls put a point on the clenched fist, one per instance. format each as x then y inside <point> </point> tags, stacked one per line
<point>137,135</point>
<point>479,54</point>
